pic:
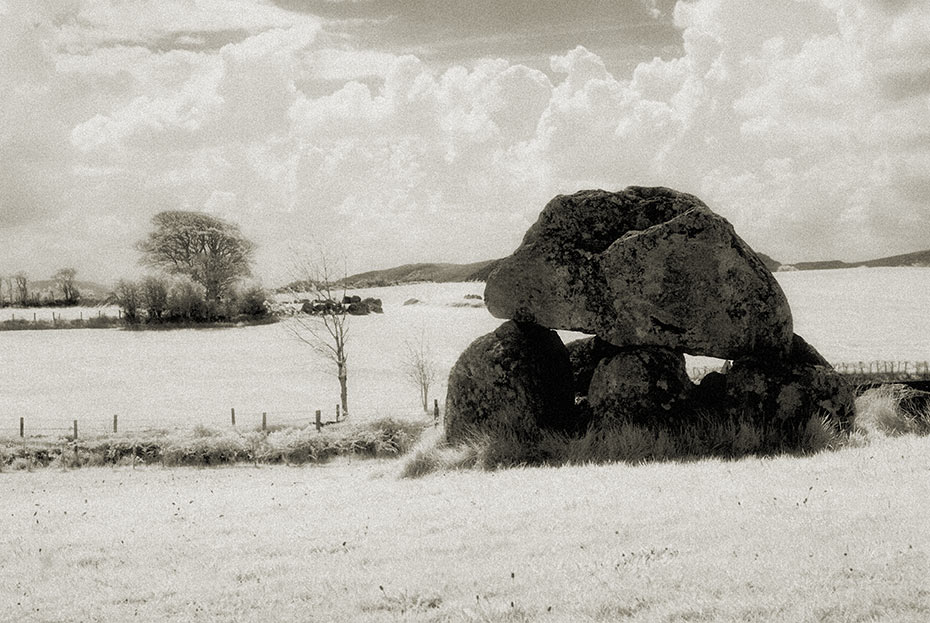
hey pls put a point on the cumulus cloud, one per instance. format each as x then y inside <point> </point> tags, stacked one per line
<point>806,123</point>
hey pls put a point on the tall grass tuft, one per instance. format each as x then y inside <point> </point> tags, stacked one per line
<point>204,446</point>
<point>893,410</point>
<point>704,436</point>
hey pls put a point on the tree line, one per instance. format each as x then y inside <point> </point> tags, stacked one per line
<point>17,290</point>
<point>200,266</point>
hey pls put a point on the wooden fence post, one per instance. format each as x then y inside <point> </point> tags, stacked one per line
<point>337,412</point>
<point>22,427</point>
<point>319,422</point>
<point>33,316</point>
<point>264,421</point>
<point>435,412</point>
<point>75,430</point>
<point>232,415</point>
<point>115,417</point>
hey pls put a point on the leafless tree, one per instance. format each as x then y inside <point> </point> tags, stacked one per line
<point>154,293</point>
<point>21,282</point>
<point>323,322</point>
<point>209,250</point>
<point>64,279</point>
<point>128,295</point>
<point>419,367</point>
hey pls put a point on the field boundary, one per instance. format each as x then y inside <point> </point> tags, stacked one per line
<point>19,428</point>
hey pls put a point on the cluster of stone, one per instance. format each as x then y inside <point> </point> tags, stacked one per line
<point>651,274</point>
<point>354,305</point>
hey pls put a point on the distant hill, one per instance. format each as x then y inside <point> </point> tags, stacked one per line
<point>918,258</point>
<point>443,273</point>
<point>771,264</point>
<point>479,271</point>
<point>408,273</point>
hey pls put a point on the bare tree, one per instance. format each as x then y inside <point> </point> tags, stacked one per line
<point>154,297</point>
<point>209,250</point>
<point>64,279</point>
<point>128,295</point>
<point>21,282</point>
<point>323,322</point>
<point>419,367</point>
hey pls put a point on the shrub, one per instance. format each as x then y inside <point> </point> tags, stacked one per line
<point>250,302</point>
<point>186,299</point>
<point>154,297</point>
<point>204,446</point>
<point>196,448</point>
<point>128,296</point>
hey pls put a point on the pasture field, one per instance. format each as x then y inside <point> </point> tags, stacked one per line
<point>181,378</point>
<point>838,536</point>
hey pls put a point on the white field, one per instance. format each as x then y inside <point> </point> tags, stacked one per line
<point>187,377</point>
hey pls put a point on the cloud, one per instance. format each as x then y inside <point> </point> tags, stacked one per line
<point>804,123</point>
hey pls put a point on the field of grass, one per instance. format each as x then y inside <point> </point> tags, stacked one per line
<point>837,536</point>
<point>184,378</point>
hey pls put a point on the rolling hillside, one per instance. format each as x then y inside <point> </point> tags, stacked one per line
<point>409,273</point>
<point>479,271</point>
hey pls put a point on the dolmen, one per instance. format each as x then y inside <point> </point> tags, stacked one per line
<point>650,274</point>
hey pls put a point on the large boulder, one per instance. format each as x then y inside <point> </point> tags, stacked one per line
<point>515,381</point>
<point>584,355</point>
<point>640,386</point>
<point>784,394</point>
<point>643,267</point>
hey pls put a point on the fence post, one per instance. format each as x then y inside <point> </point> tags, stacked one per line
<point>232,415</point>
<point>115,417</point>
<point>435,412</point>
<point>33,316</point>
<point>264,420</point>
<point>337,412</point>
<point>319,423</point>
<point>22,427</point>
<point>75,430</point>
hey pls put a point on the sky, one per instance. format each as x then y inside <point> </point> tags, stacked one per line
<point>397,131</point>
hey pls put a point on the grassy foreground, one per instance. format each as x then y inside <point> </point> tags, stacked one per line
<point>836,536</point>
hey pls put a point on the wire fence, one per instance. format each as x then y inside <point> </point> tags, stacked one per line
<point>22,427</point>
<point>858,373</point>
<point>868,371</point>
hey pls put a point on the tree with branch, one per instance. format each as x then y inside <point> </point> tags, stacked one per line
<point>207,249</point>
<point>419,367</point>
<point>64,279</point>
<point>21,282</point>
<point>323,323</point>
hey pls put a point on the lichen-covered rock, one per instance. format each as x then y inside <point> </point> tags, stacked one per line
<point>374,305</point>
<point>584,355</point>
<point>644,267</point>
<point>514,381</point>
<point>640,386</point>
<point>710,392</point>
<point>786,393</point>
